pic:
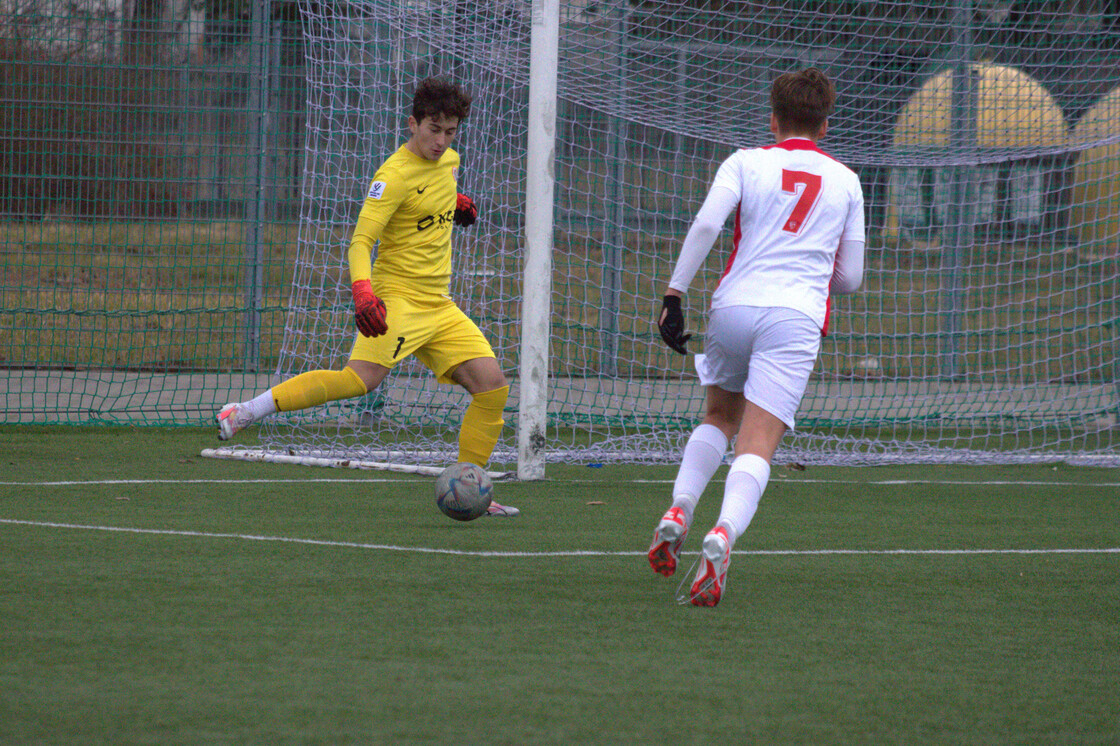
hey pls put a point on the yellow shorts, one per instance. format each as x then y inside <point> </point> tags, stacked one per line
<point>435,330</point>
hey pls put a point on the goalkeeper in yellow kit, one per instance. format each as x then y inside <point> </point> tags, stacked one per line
<point>401,302</point>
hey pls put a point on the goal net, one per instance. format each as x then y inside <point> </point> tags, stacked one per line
<point>985,135</point>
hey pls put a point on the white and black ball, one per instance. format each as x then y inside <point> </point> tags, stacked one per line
<point>464,491</point>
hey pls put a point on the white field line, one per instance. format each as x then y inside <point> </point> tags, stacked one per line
<point>778,480</point>
<point>96,482</point>
<point>569,553</point>
<point>897,482</point>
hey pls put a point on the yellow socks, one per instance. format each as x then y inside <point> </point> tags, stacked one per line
<point>317,387</point>
<point>482,424</point>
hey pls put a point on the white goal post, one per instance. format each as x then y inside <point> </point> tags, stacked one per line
<point>532,431</point>
<point>986,137</point>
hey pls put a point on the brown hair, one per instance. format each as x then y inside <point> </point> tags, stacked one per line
<point>802,100</point>
<point>436,96</point>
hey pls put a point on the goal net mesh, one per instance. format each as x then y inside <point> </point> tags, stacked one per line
<point>986,138</point>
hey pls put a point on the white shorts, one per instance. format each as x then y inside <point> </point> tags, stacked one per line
<point>767,353</point>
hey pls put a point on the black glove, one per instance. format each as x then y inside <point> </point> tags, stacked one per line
<point>671,324</point>
<point>465,211</point>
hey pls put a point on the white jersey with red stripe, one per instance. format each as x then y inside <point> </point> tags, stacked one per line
<point>795,206</point>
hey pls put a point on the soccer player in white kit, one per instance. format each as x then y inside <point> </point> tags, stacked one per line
<point>799,236</point>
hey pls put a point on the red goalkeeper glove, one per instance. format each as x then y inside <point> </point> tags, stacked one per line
<point>369,310</point>
<point>465,211</point>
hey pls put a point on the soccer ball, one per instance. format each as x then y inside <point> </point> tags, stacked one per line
<point>463,491</point>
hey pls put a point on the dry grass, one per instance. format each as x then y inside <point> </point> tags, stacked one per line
<point>173,296</point>
<point>152,296</point>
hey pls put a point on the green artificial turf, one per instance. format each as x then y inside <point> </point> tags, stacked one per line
<point>149,595</point>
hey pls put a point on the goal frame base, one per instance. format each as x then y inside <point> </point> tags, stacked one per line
<point>264,455</point>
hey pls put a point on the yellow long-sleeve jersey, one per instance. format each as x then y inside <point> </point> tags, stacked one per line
<point>409,209</point>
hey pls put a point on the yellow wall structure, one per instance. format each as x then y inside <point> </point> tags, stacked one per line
<point>1095,215</point>
<point>1013,110</point>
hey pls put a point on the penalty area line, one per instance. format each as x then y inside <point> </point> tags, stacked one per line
<point>412,480</point>
<point>106,482</point>
<point>493,553</point>
<point>905,482</point>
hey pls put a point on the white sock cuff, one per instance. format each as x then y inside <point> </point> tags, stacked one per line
<point>712,436</point>
<point>756,467</point>
<point>262,405</point>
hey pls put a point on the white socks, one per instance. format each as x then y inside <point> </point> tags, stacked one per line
<point>261,406</point>
<point>702,456</point>
<point>746,481</point>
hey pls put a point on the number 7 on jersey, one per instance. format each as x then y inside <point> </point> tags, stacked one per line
<point>811,184</point>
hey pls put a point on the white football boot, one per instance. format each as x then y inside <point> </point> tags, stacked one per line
<point>665,549</point>
<point>711,577</point>
<point>502,511</point>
